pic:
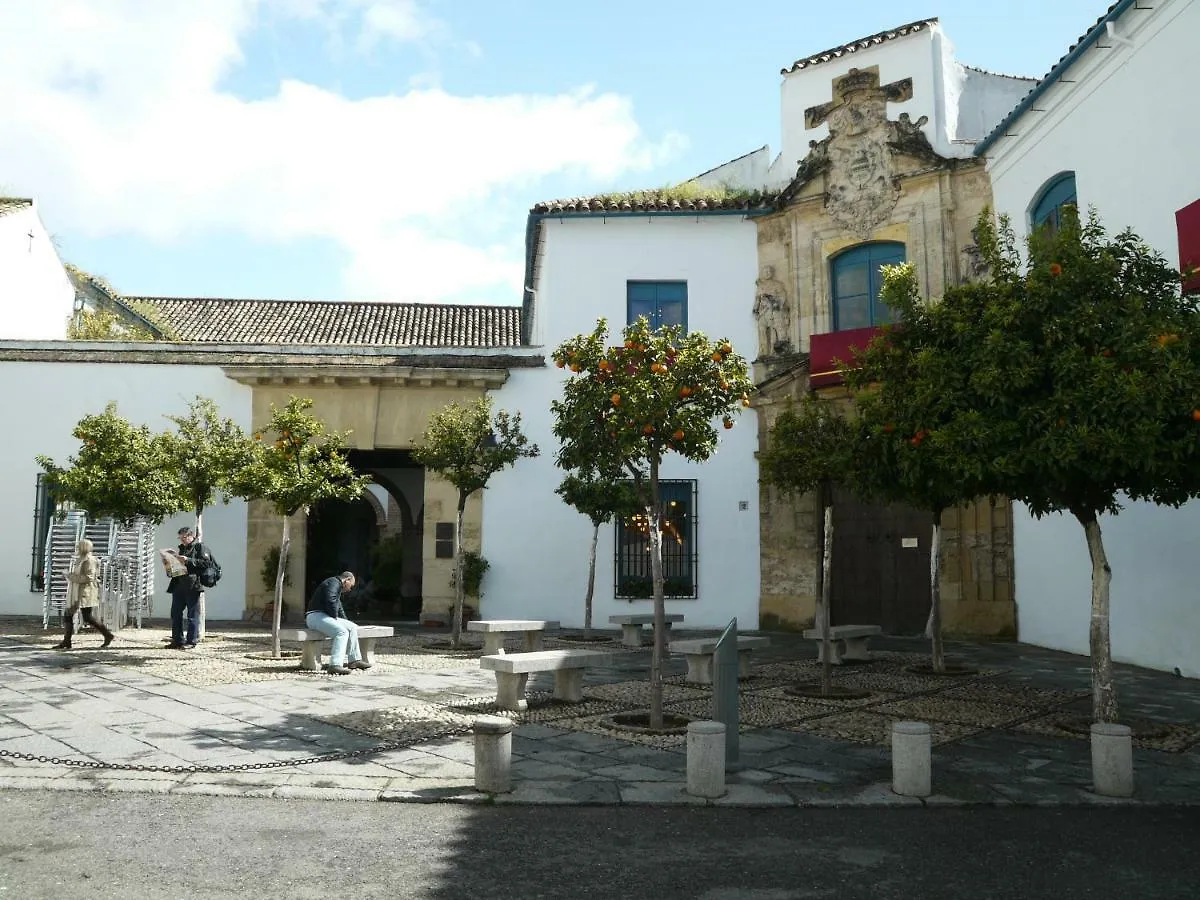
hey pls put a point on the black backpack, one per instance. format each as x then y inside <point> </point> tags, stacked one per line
<point>210,571</point>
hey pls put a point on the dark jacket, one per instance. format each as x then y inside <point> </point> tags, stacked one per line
<point>327,598</point>
<point>193,558</point>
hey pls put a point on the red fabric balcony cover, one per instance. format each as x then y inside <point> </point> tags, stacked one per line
<point>1187,223</point>
<point>826,349</point>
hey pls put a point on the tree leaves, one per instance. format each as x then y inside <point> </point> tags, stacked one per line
<point>294,463</point>
<point>466,445</point>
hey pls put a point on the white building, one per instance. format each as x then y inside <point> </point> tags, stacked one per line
<point>36,296</point>
<point>618,258</point>
<point>1110,127</point>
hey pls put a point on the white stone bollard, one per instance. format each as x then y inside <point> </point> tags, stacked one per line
<point>1112,760</point>
<point>493,754</point>
<point>912,761</point>
<point>706,759</point>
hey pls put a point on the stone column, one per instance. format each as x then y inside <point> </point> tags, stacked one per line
<point>493,754</point>
<point>706,759</point>
<point>911,759</point>
<point>1112,760</point>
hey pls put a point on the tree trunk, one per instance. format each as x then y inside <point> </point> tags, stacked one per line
<point>201,612</point>
<point>285,544</point>
<point>587,601</point>
<point>934,628</point>
<point>825,532</point>
<point>456,615</point>
<point>660,605</point>
<point>1104,692</point>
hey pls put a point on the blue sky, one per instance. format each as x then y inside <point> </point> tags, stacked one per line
<point>390,149</point>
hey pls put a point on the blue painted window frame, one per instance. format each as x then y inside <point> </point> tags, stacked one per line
<point>862,264</point>
<point>662,302</point>
<point>1046,209</point>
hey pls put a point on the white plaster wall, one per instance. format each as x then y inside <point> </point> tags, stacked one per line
<point>986,99</point>
<point>1138,181</point>
<point>42,404</point>
<point>913,56</point>
<point>536,544</point>
<point>36,296</point>
<point>1155,595</point>
<point>749,171</point>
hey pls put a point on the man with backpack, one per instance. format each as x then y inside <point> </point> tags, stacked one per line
<point>202,571</point>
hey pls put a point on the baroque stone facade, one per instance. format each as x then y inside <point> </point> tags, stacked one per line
<point>873,179</point>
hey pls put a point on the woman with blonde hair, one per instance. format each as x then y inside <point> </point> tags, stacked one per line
<point>83,594</point>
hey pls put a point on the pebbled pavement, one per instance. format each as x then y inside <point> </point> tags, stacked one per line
<point>114,710</point>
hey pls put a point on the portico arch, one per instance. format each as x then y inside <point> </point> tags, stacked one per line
<point>383,409</point>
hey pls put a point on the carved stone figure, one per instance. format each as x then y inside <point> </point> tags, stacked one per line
<point>773,313</point>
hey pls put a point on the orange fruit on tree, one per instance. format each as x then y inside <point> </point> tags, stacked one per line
<point>1196,415</point>
<point>560,363</point>
<point>716,357</point>
<point>728,423</point>
<point>616,399</point>
<point>685,391</point>
<point>649,429</point>
<point>1055,269</point>
<point>678,435</point>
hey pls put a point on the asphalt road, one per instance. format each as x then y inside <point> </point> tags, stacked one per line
<point>66,845</point>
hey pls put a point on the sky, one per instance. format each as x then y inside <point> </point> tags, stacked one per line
<point>391,149</point>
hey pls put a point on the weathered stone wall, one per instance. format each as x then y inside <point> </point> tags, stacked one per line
<point>379,416</point>
<point>871,180</point>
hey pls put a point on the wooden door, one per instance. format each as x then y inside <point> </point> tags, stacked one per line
<point>880,565</point>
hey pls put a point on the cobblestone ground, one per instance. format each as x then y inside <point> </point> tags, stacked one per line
<point>1014,730</point>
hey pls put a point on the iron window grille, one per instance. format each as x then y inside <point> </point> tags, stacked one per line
<point>632,578</point>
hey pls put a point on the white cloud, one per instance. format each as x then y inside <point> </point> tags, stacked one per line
<point>114,114</point>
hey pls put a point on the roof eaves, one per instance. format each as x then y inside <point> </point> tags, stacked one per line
<point>1084,43</point>
<point>14,204</point>
<point>864,43</point>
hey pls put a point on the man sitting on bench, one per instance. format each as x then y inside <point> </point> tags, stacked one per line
<point>326,614</point>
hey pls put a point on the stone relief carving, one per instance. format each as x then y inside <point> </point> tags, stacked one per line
<point>975,267</point>
<point>773,313</point>
<point>862,185</point>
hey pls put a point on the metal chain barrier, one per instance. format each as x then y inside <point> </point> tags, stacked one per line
<point>244,767</point>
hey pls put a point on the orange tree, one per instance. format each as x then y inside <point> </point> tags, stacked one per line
<point>466,445</point>
<point>811,448</point>
<point>1069,381</point>
<point>117,472</point>
<point>294,462</point>
<point>922,435</point>
<point>600,493</point>
<point>657,392</point>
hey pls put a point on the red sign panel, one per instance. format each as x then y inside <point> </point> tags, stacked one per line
<point>825,351</point>
<point>1187,223</point>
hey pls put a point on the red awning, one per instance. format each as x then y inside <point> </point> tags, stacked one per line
<point>1187,223</point>
<point>824,351</point>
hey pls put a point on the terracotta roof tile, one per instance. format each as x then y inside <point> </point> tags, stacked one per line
<point>331,322</point>
<point>861,44</point>
<point>653,201</point>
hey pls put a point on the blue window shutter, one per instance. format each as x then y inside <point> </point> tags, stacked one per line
<point>1047,210</point>
<point>661,302</point>
<point>856,281</point>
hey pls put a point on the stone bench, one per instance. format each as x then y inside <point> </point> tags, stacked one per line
<point>631,626</point>
<point>494,631</point>
<point>313,641</point>
<point>699,655</point>
<point>513,670</point>
<point>846,642</point>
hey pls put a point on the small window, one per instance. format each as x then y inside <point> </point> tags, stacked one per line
<point>443,540</point>
<point>43,513</point>
<point>1046,210</point>
<point>857,278</point>
<point>662,302</point>
<point>677,505</point>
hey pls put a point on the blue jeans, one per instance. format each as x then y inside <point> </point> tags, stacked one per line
<point>185,599</point>
<point>344,634</point>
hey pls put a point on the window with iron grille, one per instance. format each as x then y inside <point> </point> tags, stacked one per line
<point>43,512</point>
<point>631,566</point>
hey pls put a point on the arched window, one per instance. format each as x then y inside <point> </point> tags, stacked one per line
<point>1047,207</point>
<point>856,281</point>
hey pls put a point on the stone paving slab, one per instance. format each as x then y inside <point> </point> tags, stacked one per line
<point>997,741</point>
